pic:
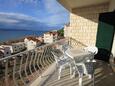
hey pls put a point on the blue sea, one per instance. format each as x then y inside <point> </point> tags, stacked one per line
<point>6,35</point>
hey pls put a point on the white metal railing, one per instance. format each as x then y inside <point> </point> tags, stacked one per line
<point>75,43</point>
<point>22,68</point>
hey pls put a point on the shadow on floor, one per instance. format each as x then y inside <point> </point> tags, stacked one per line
<point>104,76</point>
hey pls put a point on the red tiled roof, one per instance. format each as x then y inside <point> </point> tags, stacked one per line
<point>54,33</point>
<point>33,38</point>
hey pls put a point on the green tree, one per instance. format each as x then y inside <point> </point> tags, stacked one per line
<point>61,32</point>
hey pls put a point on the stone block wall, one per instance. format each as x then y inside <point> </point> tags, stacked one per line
<point>84,23</point>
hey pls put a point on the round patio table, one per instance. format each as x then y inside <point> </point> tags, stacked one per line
<point>79,55</point>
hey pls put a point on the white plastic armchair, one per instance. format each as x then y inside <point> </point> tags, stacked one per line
<point>64,47</point>
<point>89,64</point>
<point>91,49</point>
<point>62,62</point>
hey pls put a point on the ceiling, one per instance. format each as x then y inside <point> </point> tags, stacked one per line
<point>70,4</point>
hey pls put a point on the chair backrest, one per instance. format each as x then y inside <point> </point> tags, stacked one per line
<point>65,47</point>
<point>103,54</point>
<point>91,49</point>
<point>55,57</point>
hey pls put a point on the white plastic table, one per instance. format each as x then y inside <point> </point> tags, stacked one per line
<point>80,56</point>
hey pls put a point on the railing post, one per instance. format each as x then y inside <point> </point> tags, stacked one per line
<point>34,61</point>
<point>6,72</point>
<point>25,66</point>
<point>14,72</point>
<point>30,63</point>
<point>20,70</point>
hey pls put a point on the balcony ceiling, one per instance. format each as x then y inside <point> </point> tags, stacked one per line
<point>70,4</point>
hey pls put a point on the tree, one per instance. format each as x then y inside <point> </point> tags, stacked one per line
<point>61,32</point>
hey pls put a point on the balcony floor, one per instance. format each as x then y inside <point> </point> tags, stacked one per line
<point>104,76</point>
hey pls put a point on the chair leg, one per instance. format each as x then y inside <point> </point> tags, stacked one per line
<point>80,79</point>
<point>93,77</point>
<point>90,76</point>
<point>60,69</point>
<point>73,72</point>
<point>85,70</point>
<point>70,70</point>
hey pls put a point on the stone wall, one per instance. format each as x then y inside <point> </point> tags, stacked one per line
<point>84,22</point>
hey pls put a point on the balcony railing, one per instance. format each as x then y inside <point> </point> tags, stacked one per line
<point>23,68</point>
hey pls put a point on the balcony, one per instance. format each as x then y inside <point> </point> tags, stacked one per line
<point>104,76</point>
<point>37,68</point>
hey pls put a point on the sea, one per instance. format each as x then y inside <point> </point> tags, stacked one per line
<point>6,35</point>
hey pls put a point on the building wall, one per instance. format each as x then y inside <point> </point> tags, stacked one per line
<point>8,46</point>
<point>48,38</point>
<point>31,45</point>
<point>112,8</point>
<point>84,22</point>
<point>18,47</point>
<point>5,50</point>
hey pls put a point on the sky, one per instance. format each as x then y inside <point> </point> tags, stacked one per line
<point>32,15</point>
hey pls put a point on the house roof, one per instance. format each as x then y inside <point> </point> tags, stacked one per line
<point>51,33</point>
<point>33,39</point>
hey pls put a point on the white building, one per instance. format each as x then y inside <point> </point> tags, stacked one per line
<point>16,47</point>
<point>31,42</point>
<point>50,37</point>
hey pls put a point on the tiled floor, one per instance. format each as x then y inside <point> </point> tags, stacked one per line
<point>104,76</point>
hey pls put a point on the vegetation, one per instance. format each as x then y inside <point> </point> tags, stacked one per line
<point>61,32</point>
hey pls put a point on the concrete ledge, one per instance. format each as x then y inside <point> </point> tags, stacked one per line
<point>41,79</point>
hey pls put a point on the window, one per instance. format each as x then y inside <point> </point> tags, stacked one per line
<point>7,52</point>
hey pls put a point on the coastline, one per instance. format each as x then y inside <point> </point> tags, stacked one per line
<point>12,35</point>
<point>17,40</point>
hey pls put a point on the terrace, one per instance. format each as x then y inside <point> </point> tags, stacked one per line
<point>37,68</point>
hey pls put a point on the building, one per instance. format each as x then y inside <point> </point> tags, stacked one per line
<point>16,47</point>
<point>88,23</point>
<point>32,42</point>
<point>1,54</point>
<point>4,51</point>
<point>40,38</point>
<point>50,37</point>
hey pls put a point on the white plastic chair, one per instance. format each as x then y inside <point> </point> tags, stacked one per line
<point>64,47</point>
<point>89,65</point>
<point>62,62</point>
<point>91,49</point>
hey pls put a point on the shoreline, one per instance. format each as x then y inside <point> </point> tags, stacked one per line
<point>20,39</point>
<point>8,35</point>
